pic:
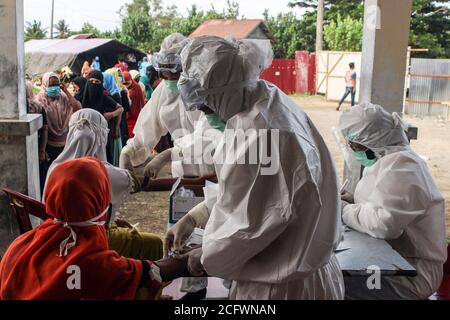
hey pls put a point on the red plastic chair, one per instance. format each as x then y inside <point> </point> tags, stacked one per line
<point>23,206</point>
<point>443,292</point>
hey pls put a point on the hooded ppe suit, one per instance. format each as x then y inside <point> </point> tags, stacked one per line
<point>275,224</point>
<point>164,114</point>
<point>396,200</point>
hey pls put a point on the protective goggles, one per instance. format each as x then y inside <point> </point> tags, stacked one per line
<point>167,63</point>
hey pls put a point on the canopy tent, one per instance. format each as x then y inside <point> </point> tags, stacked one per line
<point>50,55</point>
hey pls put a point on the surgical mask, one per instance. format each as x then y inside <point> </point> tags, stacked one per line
<point>172,85</point>
<point>53,92</point>
<point>216,121</point>
<point>361,156</point>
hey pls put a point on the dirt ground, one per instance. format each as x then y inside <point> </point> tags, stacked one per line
<point>151,209</point>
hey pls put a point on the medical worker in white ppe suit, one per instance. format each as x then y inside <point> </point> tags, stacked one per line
<point>396,200</point>
<point>271,232</point>
<point>164,114</point>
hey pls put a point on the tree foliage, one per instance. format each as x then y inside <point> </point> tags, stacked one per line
<point>145,23</point>
<point>430,28</point>
<point>88,28</point>
<point>344,34</point>
<point>430,23</point>
<point>34,30</point>
<point>62,29</point>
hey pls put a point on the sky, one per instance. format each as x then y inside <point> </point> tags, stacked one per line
<point>103,14</point>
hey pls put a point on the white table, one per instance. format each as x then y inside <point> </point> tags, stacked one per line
<point>365,251</point>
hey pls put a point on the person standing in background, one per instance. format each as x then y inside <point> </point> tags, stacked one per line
<point>58,105</point>
<point>137,101</point>
<point>136,76</point>
<point>96,64</point>
<point>350,85</point>
<point>96,98</point>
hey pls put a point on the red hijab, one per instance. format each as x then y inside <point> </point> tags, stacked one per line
<point>137,100</point>
<point>32,268</point>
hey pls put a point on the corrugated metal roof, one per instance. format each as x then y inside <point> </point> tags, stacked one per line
<point>239,29</point>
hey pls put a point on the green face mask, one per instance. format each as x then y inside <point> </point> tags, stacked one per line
<point>361,156</point>
<point>172,85</point>
<point>216,121</point>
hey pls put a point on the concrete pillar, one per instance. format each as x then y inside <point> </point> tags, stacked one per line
<point>384,52</point>
<point>19,163</point>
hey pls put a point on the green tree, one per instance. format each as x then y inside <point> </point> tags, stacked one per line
<point>344,34</point>
<point>430,22</point>
<point>145,23</point>
<point>34,30</point>
<point>88,28</point>
<point>187,25</point>
<point>333,8</point>
<point>62,29</point>
<point>430,28</point>
<point>286,30</point>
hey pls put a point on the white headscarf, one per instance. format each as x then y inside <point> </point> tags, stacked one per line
<point>88,133</point>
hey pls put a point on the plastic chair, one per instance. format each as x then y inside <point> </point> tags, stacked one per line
<point>23,206</point>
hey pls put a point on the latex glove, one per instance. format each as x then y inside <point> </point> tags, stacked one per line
<point>152,169</point>
<point>194,264</point>
<point>182,230</point>
<point>125,158</point>
<point>348,197</point>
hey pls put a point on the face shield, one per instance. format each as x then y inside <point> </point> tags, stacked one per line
<point>163,62</point>
<point>190,93</point>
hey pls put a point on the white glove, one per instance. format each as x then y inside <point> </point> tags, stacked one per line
<point>182,230</point>
<point>152,169</point>
<point>125,158</point>
<point>195,266</point>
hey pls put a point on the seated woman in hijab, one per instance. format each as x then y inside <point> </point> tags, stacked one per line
<point>68,257</point>
<point>87,136</point>
<point>95,98</point>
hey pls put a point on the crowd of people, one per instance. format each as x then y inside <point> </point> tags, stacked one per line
<point>271,235</point>
<point>114,93</point>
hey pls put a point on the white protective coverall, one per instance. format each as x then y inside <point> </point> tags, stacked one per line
<point>396,200</point>
<point>164,114</point>
<point>272,232</point>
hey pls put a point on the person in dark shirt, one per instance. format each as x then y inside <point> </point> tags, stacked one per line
<point>96,98</point>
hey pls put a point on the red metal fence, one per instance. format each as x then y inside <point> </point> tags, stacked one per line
<point>293,75</point>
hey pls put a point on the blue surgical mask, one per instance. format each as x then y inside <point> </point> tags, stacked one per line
<point>53,92</point>
<point>172,85</point>
<point>361,156</point>
<point>216,121</point>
